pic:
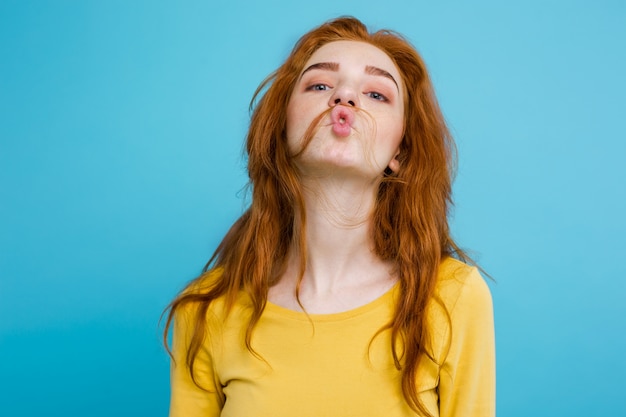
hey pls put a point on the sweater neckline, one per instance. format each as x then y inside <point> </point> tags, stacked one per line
<point>382,300</point>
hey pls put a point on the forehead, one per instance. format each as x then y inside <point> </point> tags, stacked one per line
<point>354,53</point>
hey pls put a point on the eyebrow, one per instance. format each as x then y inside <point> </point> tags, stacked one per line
<point>328,66</point>
<point>381,72</point>
<point>334,66</point>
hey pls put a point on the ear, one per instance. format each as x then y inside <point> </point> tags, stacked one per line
<point>394,164</point>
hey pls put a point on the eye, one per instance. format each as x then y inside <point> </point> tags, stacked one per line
<point>318,87</point>
<point>377,96</point>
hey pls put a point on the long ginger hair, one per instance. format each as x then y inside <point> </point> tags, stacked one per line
<point>410,218</point>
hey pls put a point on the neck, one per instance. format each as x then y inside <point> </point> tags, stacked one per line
<point>339,247</point>
<point>341,271</point>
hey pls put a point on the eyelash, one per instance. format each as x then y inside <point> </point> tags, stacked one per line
<point>314,87</point>
<point>377,96</point>
<point>324,87</point>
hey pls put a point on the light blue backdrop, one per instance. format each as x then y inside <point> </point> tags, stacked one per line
<point>121,125</point>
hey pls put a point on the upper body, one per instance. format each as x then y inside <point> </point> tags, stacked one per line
<point>346,236</point>
<point>332,365</point>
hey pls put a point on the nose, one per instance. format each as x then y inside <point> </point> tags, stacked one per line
<point>344,95</point>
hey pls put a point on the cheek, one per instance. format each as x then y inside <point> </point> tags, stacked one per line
<point>398,133</point>
<point>301,115</point>
<point>291,128</point>
<point>398,129</point>
<point>393,130</point>
<point>295,114</point>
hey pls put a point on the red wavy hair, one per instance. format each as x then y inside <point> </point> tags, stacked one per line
<point>410,220</point>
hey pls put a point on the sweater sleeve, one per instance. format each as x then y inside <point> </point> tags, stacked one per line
<point>188,399</point>
<point>467,375</point>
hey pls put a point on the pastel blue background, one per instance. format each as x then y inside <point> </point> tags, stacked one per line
<point>121,129</point>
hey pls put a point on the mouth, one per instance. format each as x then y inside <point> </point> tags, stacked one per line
<point>342,118</point>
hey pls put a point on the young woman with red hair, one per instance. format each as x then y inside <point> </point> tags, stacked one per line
<point>340,291</point>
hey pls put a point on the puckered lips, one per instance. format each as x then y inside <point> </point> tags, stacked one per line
<point>342,118</point>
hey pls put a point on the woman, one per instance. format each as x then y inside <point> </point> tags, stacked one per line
<point>336,293</point>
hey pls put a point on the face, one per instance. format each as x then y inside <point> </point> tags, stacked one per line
<point>361,91</point>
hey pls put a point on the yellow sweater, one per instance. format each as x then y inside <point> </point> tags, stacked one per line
<point>324,365</point>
